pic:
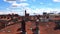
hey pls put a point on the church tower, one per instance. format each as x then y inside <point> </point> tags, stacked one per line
<point>25,12</point>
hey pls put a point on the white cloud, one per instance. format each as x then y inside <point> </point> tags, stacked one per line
<point>36,11</point>
<point>56,0</point>
<point>40,11</point>
<point>15,4</point>
<point>10,12</point>
<point>21,4</point>
<point>10,1</point>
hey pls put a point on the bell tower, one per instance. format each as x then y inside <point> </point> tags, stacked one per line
<point>25,12</point>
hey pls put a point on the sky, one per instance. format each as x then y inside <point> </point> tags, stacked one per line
<point>31,6</point>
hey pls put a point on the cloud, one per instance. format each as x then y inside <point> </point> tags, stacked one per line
<point>36,11</point>
<point>10,1</point>
<point>15,4</point>
<point>10,12</point>
<point>41,10</point>
<point>56,0</point>
<point>21,4</point>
